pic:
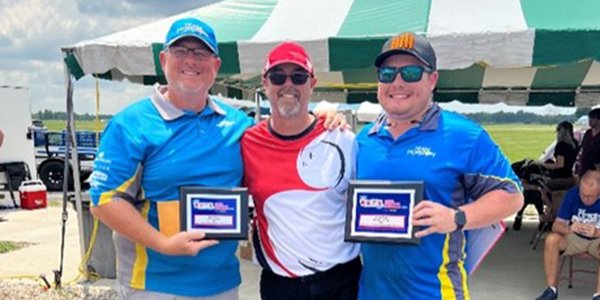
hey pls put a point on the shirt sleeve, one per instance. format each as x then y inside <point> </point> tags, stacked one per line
<point>566,208</point>
<point>118,165</point>
<point>488,170</point>
<point>561,150</point>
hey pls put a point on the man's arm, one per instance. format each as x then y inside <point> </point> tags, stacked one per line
<point>122,217</point>
<point>1,137</point>
<point>562,226</point>
<point>490,208</point>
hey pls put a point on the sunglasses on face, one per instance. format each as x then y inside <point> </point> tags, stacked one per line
<point>408,73</point>
<point>281,78</point>
<point>182,52</point>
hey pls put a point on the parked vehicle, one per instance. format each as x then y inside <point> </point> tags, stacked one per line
<point>50,148</point>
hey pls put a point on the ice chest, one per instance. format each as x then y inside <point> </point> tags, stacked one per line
<point>33,194</point>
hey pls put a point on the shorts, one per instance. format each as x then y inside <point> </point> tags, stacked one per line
<point>128,293</point>
<point>578,245</point>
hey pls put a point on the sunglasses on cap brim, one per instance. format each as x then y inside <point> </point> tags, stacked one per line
<point>409,74</point>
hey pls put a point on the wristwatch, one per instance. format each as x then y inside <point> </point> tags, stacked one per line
<point>460,219</point>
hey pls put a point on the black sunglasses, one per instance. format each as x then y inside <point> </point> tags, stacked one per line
<point>409,74</point>
<point>280,78</point>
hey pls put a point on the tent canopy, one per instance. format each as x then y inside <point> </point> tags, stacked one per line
<point>522,44</point>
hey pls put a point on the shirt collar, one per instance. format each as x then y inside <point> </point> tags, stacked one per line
<point>429,121</point>
<point>170,112</point>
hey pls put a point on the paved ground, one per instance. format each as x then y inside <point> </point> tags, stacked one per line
<point>512,271</point>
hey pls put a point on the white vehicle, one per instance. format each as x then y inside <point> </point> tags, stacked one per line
<point>15,118</point>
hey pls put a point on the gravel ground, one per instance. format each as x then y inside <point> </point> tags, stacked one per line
<point>11,289</point>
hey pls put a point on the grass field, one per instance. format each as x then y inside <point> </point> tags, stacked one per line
<point>59,125</point>
<point>517,141</point>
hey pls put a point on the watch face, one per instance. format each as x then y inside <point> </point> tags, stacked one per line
<point>460,218</point>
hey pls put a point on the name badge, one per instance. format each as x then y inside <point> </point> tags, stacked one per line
<point>382,211</point>
<point>222,213</point>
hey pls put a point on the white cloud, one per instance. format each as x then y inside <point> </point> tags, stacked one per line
<point>33,31</point>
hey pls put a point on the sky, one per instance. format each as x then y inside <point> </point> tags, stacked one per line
<point>32,33</point>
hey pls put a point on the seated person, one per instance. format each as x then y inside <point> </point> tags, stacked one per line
<point>538,183</point>
<point>526,170</point>
<point>575,231</point>
<point>565,155</point>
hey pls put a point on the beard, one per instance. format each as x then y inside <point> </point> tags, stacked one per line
<point>288,110</point>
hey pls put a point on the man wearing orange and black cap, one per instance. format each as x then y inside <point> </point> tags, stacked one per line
<point>298,173</point>
<point>468,183</point>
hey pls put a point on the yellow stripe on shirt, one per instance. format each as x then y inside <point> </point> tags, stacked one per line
<point>138,274</point>
<point>108,197</point>
<point>446,283</point>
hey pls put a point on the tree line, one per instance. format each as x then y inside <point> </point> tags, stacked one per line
<point>47,114</point>
<point>481,118</point>
<point>524,117</point>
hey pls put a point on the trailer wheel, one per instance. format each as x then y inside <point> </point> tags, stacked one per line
<point>52,175</point>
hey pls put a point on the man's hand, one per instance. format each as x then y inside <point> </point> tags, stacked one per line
<point>588,230</point>
<point>438,217</point>
<point>186,244</point>
<point>333,119</point>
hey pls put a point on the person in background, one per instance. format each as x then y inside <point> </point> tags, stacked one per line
<point>589,158</point>
<point>575,231</point>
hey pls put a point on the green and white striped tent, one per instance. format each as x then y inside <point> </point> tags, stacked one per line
<point>524,45</point>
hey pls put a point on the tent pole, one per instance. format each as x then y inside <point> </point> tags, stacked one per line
<point>75,157</point>
<point>257,101</point>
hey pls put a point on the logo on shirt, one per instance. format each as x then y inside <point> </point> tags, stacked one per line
<point>587,218</point>
<point>225,123</point>
<point>421,151</point>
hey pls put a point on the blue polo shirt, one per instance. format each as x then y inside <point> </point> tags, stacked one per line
<point>458,162</point>
<point>148,151</point>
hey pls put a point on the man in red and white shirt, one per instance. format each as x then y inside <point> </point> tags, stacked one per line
<point>298,173</point>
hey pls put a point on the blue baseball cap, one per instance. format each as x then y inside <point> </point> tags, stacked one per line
<point>192,27</point>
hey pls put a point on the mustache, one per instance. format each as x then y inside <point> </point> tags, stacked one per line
<point>288,90</point>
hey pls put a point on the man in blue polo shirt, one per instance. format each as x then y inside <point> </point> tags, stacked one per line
<point>468,181</point>
<point>178,136</point>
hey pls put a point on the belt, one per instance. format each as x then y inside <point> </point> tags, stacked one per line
<point>337,270</point>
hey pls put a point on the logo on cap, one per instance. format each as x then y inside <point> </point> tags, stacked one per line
<point>405,41</point>
<point>191,28</point>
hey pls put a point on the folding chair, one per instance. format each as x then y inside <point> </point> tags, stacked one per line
<point>571,278</point>
<point>15,173</point>
<point>547,219</point>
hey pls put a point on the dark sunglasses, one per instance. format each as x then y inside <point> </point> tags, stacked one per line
<point>408,73</point>
<point>280,78</point>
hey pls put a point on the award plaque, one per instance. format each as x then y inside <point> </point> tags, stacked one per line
<point>222,213</point>
<point>381,211</point>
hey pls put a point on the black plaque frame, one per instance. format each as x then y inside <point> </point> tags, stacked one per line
<point>413,188</point>
<point>240,232</point>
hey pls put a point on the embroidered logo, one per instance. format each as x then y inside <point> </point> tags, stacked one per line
<point>421,151</point>
<point>225,123</point>
<point>405,41</point>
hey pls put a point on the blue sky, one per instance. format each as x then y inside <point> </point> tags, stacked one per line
<point>33,31</point>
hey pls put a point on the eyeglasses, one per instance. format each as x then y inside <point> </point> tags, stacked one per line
<point>199,53</point>
<point>408,73</point>
<point>281,78</point>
